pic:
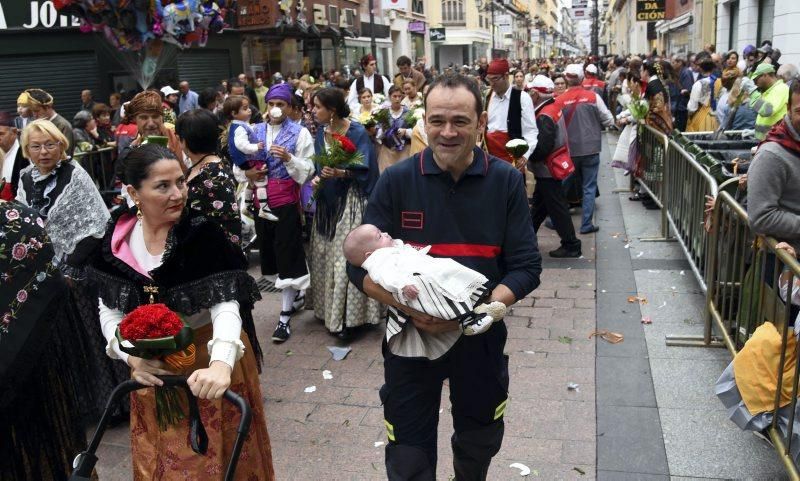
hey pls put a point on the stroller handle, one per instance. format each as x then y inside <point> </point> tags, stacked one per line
<point>85,461</point>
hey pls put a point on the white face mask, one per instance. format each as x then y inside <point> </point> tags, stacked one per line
<point>275,113</point>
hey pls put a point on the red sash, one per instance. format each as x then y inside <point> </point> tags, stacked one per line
<point>281,192</point>
<point>496,145</point>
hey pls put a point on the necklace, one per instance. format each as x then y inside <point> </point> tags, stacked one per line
<point>199,162</point>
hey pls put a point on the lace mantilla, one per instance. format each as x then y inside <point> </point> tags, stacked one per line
<point>79,212</point>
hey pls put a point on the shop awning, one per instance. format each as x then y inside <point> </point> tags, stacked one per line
<point>365,42</point>
<point>665,26</point>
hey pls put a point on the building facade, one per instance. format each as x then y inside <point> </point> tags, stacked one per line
<point>750,22</point>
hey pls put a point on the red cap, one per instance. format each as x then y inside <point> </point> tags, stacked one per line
<point>499,66</point>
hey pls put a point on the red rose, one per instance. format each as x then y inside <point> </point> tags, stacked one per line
<point>150,321</point>
<point>347,145</point>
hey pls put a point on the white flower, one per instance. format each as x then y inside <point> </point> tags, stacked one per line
<point>419,113</point>
<point>516,143</point>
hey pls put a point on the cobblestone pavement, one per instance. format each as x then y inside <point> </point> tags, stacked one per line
<point>332,433</point>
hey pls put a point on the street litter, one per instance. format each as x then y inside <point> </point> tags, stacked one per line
<point>378,444</point>
<point>327,374</point>
<point>640,254</point>
<point>579,470</point>
<point>529,352</point>
<point>652,271</point>
<point>573,387</point>
<point>603,290</point>
<point>683,273</point>
<point>608,336</point>
<point>627,246</point>
<point>647,320</point>
<point>310,389</point>
<point>639,299</point>
<point>523,470</point>
<point>339,353</point>
<point>565,339</point>
<point>662,305</point>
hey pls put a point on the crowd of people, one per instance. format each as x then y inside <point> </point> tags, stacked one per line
<point>469,161</point>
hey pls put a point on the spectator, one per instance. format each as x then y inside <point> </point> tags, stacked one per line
<point>591,82</point>
<point>13,158</point>
<point>86,100</point>
<point>773,199</point>
<point>261,94</point>
<point>207,99</point>
<point>585,115</point>
<point>84,128</point>
<point>102,116</point>
<point>188,99</point>
<point>115,103</point>
<point>171,108</point>
<point>788,72</point>
<point>41,105</point>
<point>733,110</point>
<point>769,98</point>
<point>684,86</point>
<point>236,87</point>
<point>408,73</point>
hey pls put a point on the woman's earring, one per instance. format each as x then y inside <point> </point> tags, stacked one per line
<point>139,214</point>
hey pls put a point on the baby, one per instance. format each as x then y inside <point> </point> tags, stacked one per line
<point>237,110</point>
<point>439,287</point>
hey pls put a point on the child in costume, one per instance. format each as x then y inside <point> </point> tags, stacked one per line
<point>440,287</point>
<point>243,146</point>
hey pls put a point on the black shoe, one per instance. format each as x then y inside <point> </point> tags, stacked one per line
<point>282,332</point>
<point>591,229</point>
<point>345,334</point>
<point>563,252</point>
<point>650,205</point>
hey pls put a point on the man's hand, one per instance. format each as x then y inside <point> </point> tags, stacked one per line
<point>280,152</point>
<point>256,174</point>
<point>743,182</point>
<point>787,247</point>
<point>410,292</point>
<point>520,163</point>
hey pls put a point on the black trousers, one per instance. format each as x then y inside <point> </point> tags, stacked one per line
<point>478,373</point>
<point>548,200</point>
<point>681,118</point>
<point>280,244</point>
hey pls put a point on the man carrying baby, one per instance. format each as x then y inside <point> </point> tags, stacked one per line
<point>472,208</point>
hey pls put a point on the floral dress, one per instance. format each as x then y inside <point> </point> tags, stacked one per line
<point>212,194</point>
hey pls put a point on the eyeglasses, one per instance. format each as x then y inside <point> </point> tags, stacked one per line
<point>50,146</point>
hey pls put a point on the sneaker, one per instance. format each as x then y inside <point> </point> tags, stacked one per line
<point>590,230</point>
<point>266,213</point>
<point>282,332</point>
<point>562,252</point>
<point>476,324</point>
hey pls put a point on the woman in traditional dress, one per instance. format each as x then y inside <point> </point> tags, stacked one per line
<point>395,137</point>
<point>63,194</point>
<point>158,251</point>
<point>39,432</point>
<point>657,74</point>
<point>212,188</point>
<point>702,101</point>
<point>341,201</point>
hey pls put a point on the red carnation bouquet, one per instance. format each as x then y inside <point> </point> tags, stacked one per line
<point>341,154</point>
<point>153,331</point>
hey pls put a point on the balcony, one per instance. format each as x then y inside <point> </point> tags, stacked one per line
<point>454,22</point>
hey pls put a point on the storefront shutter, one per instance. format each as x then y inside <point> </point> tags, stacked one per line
<point>204,68</point>
<point>63,75</point>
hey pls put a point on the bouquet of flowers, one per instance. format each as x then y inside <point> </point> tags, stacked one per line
<point>153,331</point>
<point>638,107</point>
<point>379,99</point>
<point>516,148</point>
<point>341,155</point>
<point>367,120</point>
<point>413,116</point>
<point>391,137</point>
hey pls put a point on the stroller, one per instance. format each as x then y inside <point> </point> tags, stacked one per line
<point>84,462</point>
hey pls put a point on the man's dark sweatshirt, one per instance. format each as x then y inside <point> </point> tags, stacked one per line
<point>482,221</point>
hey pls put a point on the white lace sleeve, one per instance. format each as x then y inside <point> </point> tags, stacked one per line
<point>79,212</point>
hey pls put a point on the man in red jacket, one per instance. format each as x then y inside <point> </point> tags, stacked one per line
<point>548,198</point>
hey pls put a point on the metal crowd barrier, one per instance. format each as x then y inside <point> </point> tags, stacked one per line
<point>747,280</point>
<point>651,178</point>
<point>99,164</point>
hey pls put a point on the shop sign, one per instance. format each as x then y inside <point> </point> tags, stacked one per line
<point>650,10</point>
<point>579,13</point>
<point>256,13</point>
<point>438,35</point>
<point>416,27</point>
<point>35,14</point>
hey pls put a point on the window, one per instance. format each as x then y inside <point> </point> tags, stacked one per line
<point>333,14</point>
<point>418,6</point>
<point>350,17</point>
<point>766,17</point>
<point>733,32</point>
<point>453,12</point>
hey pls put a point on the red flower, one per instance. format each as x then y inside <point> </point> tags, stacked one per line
<point>347,145</point>
<point>150,321</point>
<point>19,251</point>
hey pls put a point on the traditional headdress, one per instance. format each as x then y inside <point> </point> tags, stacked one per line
<point>280,92</point>
<point>499,66</point>
<point>147,101</point>
<point>35,97</point>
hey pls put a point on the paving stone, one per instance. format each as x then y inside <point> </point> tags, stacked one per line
<point>624,381</point>
<point>630,440</point>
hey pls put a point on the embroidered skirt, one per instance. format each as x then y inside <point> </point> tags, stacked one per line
<point>338,302</point>
<point>167,455</point>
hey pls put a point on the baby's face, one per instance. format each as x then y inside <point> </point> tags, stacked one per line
<point>375,239</point>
